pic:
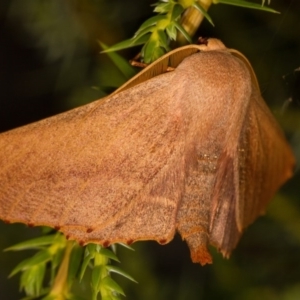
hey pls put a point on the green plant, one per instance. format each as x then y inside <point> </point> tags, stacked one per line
<point>172,19</point>
<point>66,260</point>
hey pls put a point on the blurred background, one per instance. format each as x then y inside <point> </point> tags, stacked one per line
<point>50,61</point>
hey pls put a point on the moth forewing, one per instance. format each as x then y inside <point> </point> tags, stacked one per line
<point>162,153</point>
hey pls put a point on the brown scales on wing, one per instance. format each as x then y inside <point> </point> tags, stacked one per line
<point>195,150</point>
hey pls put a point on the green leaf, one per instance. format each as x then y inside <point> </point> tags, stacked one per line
<point>45,230</point>
<point>177,11</point>
<point>203,11</point>
<point>84,265</point>
<point>109,254</point>
<point>32,280</point>
<point>150,22</point>
<point>147,50</point>
<point>89,254</point>
<point>157,53</point>
<point>171,31</point>
<point>163,39</point>
<point>57,257</point>
<point>55,262</point>
<point>91,249</point>
<point>183,31</point>
<point>37,243</point>
<point>113,248</point>
<point>163,7</point>
<point>110,298</point>
<point>75,261</point>
<point>152,51</point>
<point>246,4</point>
<point>34,297</point>
<point>39,258</point>
<point>143,32</point>
<point>109,283</point>
<point>97,274</point>
<point>122,64</point>
<point>73,297</point>
<point>119,271</point>
<point>126,246</point>
<point>128,44</point>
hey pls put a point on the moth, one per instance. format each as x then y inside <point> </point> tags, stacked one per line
<point>194,151</point>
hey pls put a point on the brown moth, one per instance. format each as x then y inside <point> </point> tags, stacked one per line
<point>195,150</point>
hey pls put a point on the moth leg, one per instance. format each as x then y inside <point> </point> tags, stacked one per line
<point>136,63</point>
<point>139,64</point>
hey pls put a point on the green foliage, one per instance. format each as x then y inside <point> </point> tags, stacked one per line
<point>246,4</point>
<point>121,63</point>
<point>68,261</point>
<point>156,33</point>
<point>33,269</point>
<point>101,281</point>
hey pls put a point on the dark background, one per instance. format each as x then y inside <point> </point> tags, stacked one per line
<point>50,62</point>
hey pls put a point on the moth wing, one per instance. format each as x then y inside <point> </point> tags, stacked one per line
<point>266,161</point>
<point>110,171</point>
<point>260,164</point>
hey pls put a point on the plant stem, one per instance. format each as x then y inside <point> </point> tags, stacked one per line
<point>191,20</point>
<point>60,287</point>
